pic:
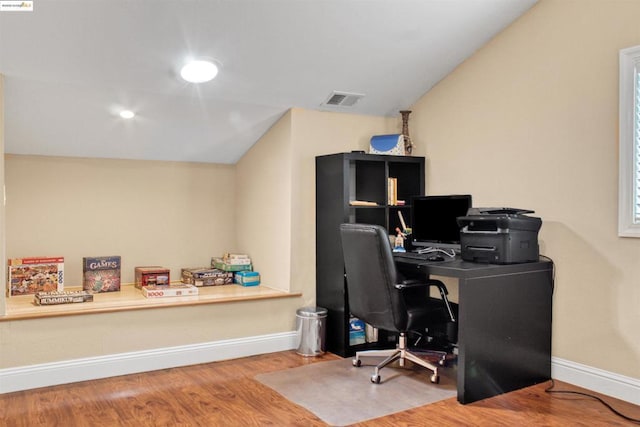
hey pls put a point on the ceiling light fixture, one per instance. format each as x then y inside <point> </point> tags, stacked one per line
<point>127,114</point>
<point>199,71</point>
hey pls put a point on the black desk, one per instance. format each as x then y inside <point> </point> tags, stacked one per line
<point>504,323</point>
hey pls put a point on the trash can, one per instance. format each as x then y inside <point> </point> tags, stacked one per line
<point>311,324</point>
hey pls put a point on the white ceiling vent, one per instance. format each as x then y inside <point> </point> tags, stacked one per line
<point>342,99</point>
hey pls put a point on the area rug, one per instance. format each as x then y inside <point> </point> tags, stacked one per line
<point>341,394</point>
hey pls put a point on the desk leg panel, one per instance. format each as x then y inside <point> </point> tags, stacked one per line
<point>504,333</point>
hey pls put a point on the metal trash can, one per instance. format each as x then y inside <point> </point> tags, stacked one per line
<point>311,325</point>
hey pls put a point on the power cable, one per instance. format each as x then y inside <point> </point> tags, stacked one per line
<point>611,408</point>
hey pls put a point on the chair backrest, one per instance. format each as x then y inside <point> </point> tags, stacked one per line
<point>371,274</point>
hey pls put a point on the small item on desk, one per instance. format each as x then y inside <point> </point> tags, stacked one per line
<point>398,245</point>
<point>435,258</point>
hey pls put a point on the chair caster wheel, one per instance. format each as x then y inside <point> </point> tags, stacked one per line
<point>375,379</point>
<point>434,379</point>
<point>442,362</point>
<point>356,362</point>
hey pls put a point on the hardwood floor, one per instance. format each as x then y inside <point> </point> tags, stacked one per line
<point>225,394</point>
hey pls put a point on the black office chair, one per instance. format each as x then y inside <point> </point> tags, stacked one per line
<point>378,296</point>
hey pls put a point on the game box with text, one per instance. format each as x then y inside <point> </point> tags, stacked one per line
<point>27,276</point>
<point>101,274</point>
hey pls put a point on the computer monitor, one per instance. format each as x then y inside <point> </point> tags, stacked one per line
<point>433,220</point>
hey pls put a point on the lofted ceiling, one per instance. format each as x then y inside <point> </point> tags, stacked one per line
<point>69,66</point>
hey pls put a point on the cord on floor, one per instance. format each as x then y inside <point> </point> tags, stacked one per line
<point>553,384</point>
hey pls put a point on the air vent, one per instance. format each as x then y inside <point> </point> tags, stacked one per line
<point>342,99</point>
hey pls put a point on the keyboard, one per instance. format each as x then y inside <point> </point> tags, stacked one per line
<point>412,255</point>
<point>431,256</point>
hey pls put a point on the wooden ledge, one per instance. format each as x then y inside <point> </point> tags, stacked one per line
<point>130,298</point>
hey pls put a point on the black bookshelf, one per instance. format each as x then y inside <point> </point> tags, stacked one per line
<point>340,179</point>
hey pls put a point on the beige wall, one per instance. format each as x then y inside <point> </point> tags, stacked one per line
<point>167,213</point>
<point>263,207</point>
<point>317,133</point>
<point>276,191</point>
<point>27,342</point>
<point>3,277</point>
<point>151,213</point>
<point>174,214</point>
<point>530,121</point>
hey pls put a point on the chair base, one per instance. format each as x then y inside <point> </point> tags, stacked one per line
<point>401,354</point>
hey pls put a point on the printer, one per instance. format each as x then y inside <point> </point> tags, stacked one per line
<point>499,235</point>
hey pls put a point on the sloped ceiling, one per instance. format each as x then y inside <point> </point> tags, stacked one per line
<point>71,65</point>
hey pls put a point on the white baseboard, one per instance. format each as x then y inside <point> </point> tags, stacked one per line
<point>91,368</point>
<point>607,383</point>
<point>48,374</point>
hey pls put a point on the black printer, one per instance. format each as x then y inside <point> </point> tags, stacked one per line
<point>499,235</point>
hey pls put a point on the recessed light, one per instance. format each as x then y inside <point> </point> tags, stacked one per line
<point>199,71</point>
<point>127,114</point>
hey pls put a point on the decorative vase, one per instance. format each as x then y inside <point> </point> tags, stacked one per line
<point>408,145</point>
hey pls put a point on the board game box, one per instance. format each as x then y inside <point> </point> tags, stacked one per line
<point>220,264</point>
<point>68,297</point>
<point>152,275</point>
<point>176,290</point>
<point>236,259</point>
<point>101,274</point>
<point>203,276</point>
<point>35,274</point>
<point>247,278</point>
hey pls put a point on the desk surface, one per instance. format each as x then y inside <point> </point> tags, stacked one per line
<point>460,269</point>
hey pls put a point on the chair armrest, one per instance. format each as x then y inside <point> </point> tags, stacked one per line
<point>414,284</point>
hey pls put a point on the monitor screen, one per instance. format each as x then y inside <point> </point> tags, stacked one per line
<point>433,220</point>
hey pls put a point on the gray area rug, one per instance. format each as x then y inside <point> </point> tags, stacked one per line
<point>341,394</point>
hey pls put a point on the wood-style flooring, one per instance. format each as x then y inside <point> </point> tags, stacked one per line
<point>225,394</point>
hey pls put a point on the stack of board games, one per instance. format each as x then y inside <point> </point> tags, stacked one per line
<point>152,276</point>
<point>176,290</point>
<point>28,276</point>
<point>101,274</point>
<point>204,276</point>
<point>68,297</point>
<point>232,262</point>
